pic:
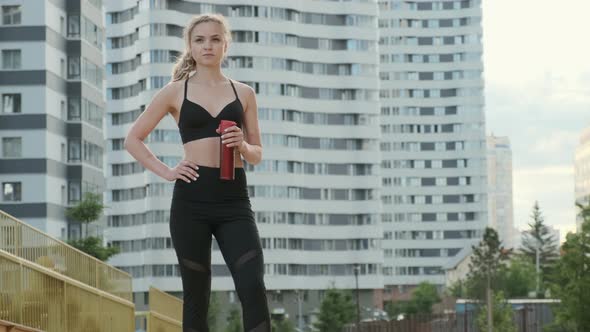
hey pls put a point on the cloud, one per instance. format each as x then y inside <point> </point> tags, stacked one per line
<point>537,92</point>
<point>553,143</point>
<point>526,37</point>
<point>553,188</point>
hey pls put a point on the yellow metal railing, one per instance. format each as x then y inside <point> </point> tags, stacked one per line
<point>31,244</point>
<point>165,314</point>
<point>9,326</point>
<point>41,298</point>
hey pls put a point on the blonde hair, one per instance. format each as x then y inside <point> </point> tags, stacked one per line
<point>185,64</point>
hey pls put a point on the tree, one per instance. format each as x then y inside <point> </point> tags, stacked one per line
<point>283,325</point>
<point>502,314</point>
<point>518,280</point>
<point>458,289</point>
<point>571,279</point>
<point>87,210</point>
<point>487,260</point>
<point>539,238</point>
<point>213,312</point>
<point>234,321</point>
<point>424,297</point>
<point>395,309</point>
<point>92,245</point>
<point>336,310</point>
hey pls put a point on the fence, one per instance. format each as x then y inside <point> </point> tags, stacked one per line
<point>526,318</point>
<point>47,285</point>
<point>29,243</point>
<point>37,297</point>
<point>165,314</point>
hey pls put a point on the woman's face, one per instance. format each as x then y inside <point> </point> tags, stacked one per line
<point>208,45</point>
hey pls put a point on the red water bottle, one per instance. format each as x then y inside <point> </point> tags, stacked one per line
<point>226,154</point>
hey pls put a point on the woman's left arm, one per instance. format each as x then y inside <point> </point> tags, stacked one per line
<point>247,142</point>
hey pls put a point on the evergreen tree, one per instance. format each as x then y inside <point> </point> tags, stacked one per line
<point>336,310</point>
<point>488,259</point>
<point>487,263</point>
<point>538,237</point>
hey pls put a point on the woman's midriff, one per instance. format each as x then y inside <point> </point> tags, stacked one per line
<point>206,151</point>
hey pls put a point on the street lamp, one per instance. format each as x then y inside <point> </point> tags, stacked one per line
<point>537,265</point>
<point>358,303</point>
<point>300,318</point>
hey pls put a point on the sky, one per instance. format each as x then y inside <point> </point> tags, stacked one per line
<point>537,92</point>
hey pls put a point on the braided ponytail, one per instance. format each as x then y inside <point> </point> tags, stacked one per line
<point>186,63</point>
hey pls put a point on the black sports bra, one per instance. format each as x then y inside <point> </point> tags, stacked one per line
<point>196,122</point>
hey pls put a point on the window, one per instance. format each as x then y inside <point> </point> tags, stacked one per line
<point>11,59</point>
<point>11,191</point>
<point>74,191</point>
<point>11,15</point>
<point>73,67</point>
<point>73,26</point>
<point>91,32</point>
<point>74,150</point>
<point>11,103</point>
<point>74,108</point>
<point>162,4</point>
<point>11,147</point>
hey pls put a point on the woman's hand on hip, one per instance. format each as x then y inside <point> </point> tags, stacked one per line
<point>185,170</point>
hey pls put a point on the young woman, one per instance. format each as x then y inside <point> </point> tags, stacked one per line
<point>202,204</point>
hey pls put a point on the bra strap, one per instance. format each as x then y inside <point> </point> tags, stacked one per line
<point>233,87</point>
<point>185,87</point>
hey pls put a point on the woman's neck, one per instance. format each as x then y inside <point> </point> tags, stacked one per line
<point>208,75</point>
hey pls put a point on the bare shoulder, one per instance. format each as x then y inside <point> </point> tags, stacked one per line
<point>244,90</point>
<point>174,88</point>
<point>246,93</point>
<point>171,94</point>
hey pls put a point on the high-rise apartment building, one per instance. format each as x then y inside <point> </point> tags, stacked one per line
<point>500,208</point>
<point>52,107</point>
<point>433,137</point>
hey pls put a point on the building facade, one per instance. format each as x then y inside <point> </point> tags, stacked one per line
<point>314,67</point>
<point>582,172</point>
<point>52,108</point>
<point>433,137</point>
<point>500,207</point>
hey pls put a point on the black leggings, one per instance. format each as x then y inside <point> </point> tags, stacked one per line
<point>209,206</point>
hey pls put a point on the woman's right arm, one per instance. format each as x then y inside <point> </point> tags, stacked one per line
<point>162,103</point>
